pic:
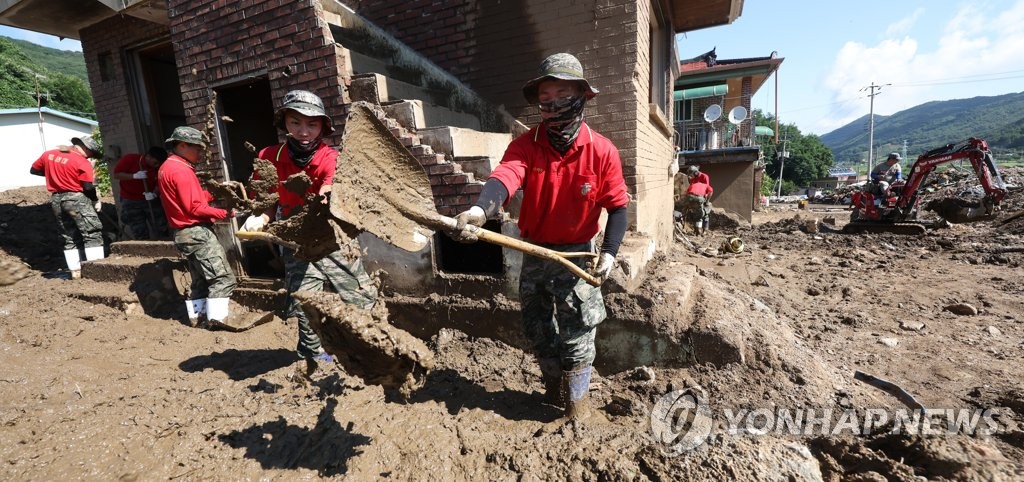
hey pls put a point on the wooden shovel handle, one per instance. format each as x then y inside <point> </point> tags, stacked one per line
<point>520,245</point>
<point>260,235</point>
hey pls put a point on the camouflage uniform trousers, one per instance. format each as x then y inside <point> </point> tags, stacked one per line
<point>144,219</point>
<point>348,279</point>
<point>695,210</point>
<point>77,220</point>
<point>211,275</point>
<point>560,311</point>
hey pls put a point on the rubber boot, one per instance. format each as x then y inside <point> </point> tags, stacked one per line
<point>93,253</point>
<point>74,262</point>
<point>217,310</point>
<point>551,375</point>
<point>576,386</point>
<point>196,312</point>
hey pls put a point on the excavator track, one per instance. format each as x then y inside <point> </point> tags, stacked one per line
<point>905,229</point>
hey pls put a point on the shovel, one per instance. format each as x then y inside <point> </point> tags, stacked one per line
<point>381,187</point>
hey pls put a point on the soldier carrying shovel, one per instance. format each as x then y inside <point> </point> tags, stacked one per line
<point>568,174</point>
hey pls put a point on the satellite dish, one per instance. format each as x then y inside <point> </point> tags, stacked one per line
<point>737,114</point>
<point>712,113</point>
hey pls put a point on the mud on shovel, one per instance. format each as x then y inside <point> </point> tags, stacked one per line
<point>381,188</point>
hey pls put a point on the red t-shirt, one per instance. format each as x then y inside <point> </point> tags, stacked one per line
<point>64,171</point>
<point>701,189</point>
<point>132,189</point>
<point>320,171</point>
<point>701,177</point>
<point>562,195</point>
<point>184,200</point>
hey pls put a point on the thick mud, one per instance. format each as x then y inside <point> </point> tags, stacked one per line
<point>93,392</point>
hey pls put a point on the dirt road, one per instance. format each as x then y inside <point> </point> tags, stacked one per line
<point>91,392</point>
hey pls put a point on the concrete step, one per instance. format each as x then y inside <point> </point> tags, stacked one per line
<point>128,269</point>
<point>457,142</point>
<point>150,249</point>
<point>481,167</point>
<point>408,113</point>
<point>378,88</point>
<point>261,294</point>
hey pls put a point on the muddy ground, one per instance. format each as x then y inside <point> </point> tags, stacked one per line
<point>91,392</point>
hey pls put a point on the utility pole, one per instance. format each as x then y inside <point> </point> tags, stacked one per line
<point>875,90</point>
<point>783,154</point>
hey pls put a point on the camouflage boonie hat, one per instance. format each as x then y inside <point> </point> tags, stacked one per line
<point>306,103</point>
<point>186,134</point>
<point>561,66</point>
<point>87,142</point>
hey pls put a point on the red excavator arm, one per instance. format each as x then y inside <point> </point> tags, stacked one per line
<point>973,149</point>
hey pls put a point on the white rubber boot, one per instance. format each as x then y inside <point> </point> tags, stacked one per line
<point>217,309</point>
<point>196,311</point>
<point>92,253</point>
<point>71,257</point>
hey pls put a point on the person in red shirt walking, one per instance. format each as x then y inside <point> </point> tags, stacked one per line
<point>303,119</point>
<point>141,211</point>
<point>697,202</point>
<point>70,179</point>
<point>568,174</point>
<point>191,217</point>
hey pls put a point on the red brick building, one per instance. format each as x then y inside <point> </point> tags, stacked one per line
<point>448,73</point>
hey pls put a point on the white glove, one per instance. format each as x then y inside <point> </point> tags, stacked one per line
<point>604,266</point>
<point>255,223</point>
<point>140,175</point>
<point>98,206</point>
<point>475,216</point>
<point>149,195</point>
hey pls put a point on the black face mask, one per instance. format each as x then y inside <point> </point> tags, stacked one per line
<point>300,154</point>
<point>563,128</point>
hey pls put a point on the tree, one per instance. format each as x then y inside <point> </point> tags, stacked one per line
<point>809,159</point>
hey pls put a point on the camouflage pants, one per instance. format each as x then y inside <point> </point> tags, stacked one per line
<point>144,219</point>
<point>211,275</point>
<point>332,272</point>
<point>695,209</point>
<point>560,311</point>
<point>77,219</point>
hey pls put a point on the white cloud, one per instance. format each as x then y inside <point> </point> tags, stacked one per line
<point>979,46</point>
<point>903,26</point>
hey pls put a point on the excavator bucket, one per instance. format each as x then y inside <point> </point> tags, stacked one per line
<point>958,210</point>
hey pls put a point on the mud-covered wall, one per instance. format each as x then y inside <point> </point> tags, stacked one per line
<point>495,47</point>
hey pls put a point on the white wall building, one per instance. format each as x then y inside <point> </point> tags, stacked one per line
<point>25,137</point>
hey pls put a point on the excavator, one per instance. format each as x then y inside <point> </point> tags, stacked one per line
<point>895,210</point>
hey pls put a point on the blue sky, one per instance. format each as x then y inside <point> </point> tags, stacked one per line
<point>41,38</point>
<point>927,50</point>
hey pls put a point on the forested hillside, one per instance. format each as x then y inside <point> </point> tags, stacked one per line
<point>61,76</point>
<point>998,119</point>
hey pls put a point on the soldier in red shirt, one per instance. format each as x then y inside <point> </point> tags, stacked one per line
<point>141,211</point>
<point>568,174</point>
<point>69,177</point>
<point>697,202</point>
<point>191,217</point>
<point>303,119</point>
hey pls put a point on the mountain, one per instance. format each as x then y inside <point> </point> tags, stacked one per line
<point>64,61</point>
<point>59,74</point>
<point>997,119</point>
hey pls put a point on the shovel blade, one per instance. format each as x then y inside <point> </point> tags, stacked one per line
<point>379,186</point>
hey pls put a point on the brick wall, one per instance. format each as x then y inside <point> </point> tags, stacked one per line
<point>109,88</point>
<point>218,41</point>
<point>495,47</point>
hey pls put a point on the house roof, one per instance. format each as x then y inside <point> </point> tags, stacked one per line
<point>707,69</point>
<point>65,18</point>
<point>49,111</point>
<point>690,15</point>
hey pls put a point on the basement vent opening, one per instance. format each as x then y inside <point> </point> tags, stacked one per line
<point>480,258</point>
